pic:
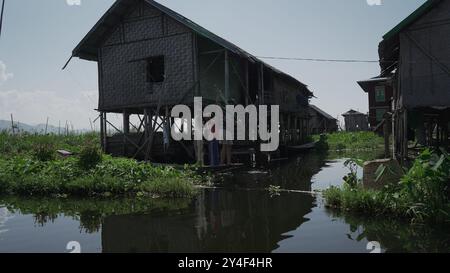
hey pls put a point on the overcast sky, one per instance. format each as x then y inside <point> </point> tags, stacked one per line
<point>38,37</point>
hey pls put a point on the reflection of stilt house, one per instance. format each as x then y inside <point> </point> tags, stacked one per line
<point>417,51</point>
<point>151,58</point>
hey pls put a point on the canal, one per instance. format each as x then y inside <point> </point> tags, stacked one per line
<point>237,215</point>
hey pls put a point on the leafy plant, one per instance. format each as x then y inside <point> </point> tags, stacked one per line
<point>44,149</point>
<point>422,194</point>
<point>90,156</point>
<point>274,190</point>
<point>356,141</point>
<point>351,179</point>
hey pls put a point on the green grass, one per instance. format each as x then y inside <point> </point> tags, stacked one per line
<point>29,143</point>
<point>422,195</point>
<point>29,166</point>
<point>353,141</point>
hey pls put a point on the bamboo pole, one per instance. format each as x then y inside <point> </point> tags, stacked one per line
<point>46,127</point>
<point>1,17</point>
<point>12,124</point>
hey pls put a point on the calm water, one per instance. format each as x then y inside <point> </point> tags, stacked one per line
<point>238,216</point>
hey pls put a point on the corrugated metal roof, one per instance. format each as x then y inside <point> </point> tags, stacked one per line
<point>321,112</point>
<point>87,48</point>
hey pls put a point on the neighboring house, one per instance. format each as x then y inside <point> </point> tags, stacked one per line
<point>417,53</point>
<point>320,122</point>
<point>151,58</point>
<point>355,121</point>
<point>380,93</point>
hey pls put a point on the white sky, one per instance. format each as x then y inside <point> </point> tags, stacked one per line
<point>38,38</point>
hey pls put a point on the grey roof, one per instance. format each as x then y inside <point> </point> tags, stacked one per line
<point>353,113</point>
<point>321,112</point>
<point>87,48</point>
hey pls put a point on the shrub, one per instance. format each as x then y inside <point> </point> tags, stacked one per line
<point>421,195</point>
<point>44,149</point>
<point>352,141</point>
<point>28,176</point>
<point>90,156</point>
<point>426,186</point>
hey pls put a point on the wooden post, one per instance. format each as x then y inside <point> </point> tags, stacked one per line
<point>126,122</point>
<point>105,130</point>
<point>46,127</point>
<point>102,132</point>
<point>92,126</point>
<point>126,131</point>
<point>386,138</point>
<point>146,127</point>
<point>12,124</point>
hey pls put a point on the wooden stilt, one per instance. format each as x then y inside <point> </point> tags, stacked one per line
<point>126,131</point>
<point>12,125</point>
<point>102,130</point>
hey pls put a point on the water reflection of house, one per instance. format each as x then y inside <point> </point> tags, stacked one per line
<point>415,55</point>
<point>355,121</point>
<point>321,122</point>
<point>235,221</point>
<point>5,215</point>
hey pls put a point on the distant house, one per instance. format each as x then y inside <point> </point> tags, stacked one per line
<point>320,122</point>
<point>416,55</point>
<point>355,121</point>
<point>380,93</point>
